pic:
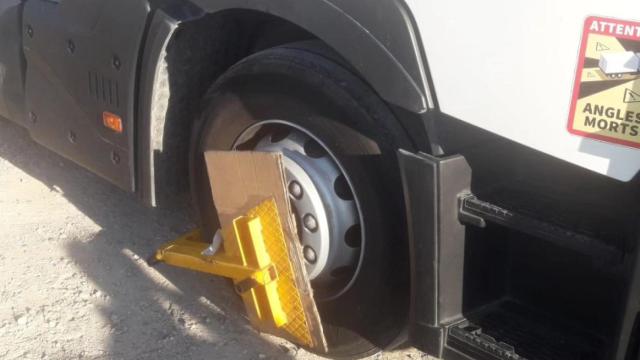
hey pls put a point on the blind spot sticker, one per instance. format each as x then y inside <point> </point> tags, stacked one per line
<point>606,93</point>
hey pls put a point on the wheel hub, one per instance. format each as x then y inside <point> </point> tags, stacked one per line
<point>326,213</point>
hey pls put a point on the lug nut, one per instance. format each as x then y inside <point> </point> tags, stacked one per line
<point>309,254</point>
<point>295,189</point>
<point>310,222</point>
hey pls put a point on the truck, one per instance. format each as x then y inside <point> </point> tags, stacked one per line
<point>448,194</point>
<point>616,64</point>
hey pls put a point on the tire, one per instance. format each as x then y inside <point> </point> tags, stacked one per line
<point>320,97</point>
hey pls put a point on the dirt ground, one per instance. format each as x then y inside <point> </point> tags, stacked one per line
<point>74,283</point>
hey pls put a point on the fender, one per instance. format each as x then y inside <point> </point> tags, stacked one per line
<point>379,42</point>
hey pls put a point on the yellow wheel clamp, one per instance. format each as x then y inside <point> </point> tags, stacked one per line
<point>258,253</point>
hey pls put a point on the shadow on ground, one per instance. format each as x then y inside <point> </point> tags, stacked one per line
<point>160,313</point>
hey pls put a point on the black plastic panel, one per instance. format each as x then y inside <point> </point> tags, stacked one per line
<point>11,61</point>
<point>82,57</point>
<point>436,243</point>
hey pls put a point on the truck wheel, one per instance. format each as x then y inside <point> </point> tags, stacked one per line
<point>339,142</point>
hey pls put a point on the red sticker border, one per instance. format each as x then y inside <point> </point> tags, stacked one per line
<point>576,85</point>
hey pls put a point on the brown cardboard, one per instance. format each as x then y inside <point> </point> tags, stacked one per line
<point>241,180</point>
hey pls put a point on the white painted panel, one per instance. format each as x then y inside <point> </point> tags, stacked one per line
<point>508,66</point>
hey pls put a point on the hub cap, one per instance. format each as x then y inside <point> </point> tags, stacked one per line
<point>322,200</point>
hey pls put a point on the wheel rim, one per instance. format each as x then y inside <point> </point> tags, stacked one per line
<point>322,200</point>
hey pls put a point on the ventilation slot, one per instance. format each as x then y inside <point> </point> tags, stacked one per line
<point>103,89</point>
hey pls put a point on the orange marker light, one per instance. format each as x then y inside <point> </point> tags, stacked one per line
<point>112,121</point>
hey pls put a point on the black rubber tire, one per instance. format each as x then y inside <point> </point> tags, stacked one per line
<point>309,89</point>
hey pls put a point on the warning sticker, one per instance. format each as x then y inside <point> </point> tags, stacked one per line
<point>606,94</point>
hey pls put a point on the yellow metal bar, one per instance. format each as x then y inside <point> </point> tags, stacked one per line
<point>265,300</point>
<point>250,265</point>
<point>256,257</point>
<point>186,252</point>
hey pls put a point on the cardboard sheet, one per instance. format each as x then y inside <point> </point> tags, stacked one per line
<point>241,181</point>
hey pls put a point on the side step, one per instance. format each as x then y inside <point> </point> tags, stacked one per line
<point>451,317</point>
<point>508,330</point>
<point>468,338</point>
<point>476,212</point>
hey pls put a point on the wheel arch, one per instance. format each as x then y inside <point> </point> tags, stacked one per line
<point>386,55</point>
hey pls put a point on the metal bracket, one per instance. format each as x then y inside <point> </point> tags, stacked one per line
<point>263,277</point>
<point>215,244</point>
<point>468,217</point>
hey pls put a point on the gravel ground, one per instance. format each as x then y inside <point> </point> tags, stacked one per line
<point>75,283</point>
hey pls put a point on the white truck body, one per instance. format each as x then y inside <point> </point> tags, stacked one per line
<point>520,80</point>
